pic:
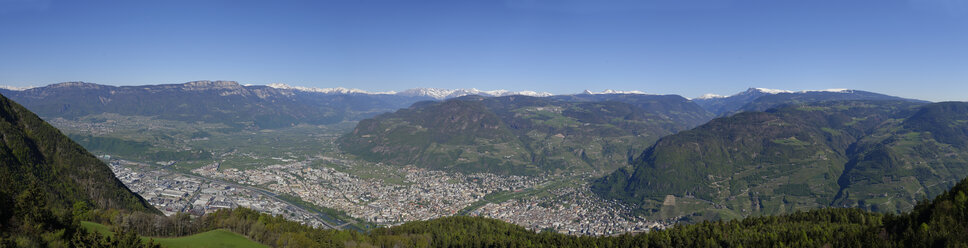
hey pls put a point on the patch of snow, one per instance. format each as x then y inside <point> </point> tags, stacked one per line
<point>16,88</point>
<point>428,92</point>
<point>438,93</point>
<point>710,96</point>
<point>337,90</point>
<point>610,91</point>
<point>831,90</point>
<point>773,91</point>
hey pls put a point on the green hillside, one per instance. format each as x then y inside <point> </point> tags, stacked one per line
<point>215,238</point>
<point>44,176</point>
<point>877,155</point>
<point>908,159</point>
<point>758,99</point>
<point>670,107</point>
<point>519,134</point>
<point>36,156</point>
<point>769,101</point>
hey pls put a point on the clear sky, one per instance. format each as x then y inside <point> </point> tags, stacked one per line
<point>909,48</point>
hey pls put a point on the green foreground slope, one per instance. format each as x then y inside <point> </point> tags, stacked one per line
<point>46,179</point>
<point>215,238</point>
<point>36,156</point>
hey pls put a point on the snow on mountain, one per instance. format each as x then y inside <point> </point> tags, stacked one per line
<point>438,93</point>
<point>15,88</point>
<point>533,93</point>
<point>609,91</point>
<point>756,91</point>
<point>710,96</point>
<point>831,90</point>
<point>773,91</point>
<point>337,90</point>
<point>429,92</point>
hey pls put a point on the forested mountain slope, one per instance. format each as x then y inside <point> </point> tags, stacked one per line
<point>877,155</point>
<point>520,134</point>
<point>44,175</point>
<point>759,99</point>
<point>35,155</point>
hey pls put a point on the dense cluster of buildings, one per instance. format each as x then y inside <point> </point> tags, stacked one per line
<point>423,195</point>
<point>569,210</point>
<point>173,192</point>
<point>427,194</point>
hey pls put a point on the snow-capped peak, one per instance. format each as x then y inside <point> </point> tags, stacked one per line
<point>772,91</point>
<point>710,96</point>
<point>610,91</point>
<point>15,88</point>
<point>831,90</point>
<point>428,92</point>
<point>775,91</point>
<point>337,90</point>
<point>438,93</point>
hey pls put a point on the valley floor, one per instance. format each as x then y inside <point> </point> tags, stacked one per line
<point>299,173</point>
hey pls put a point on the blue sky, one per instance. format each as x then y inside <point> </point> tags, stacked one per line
<point>909,48</point>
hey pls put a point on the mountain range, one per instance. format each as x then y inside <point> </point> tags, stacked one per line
<point>759,99</point>
<point>522,134</point>
<point>280,105</point>
<point>590,130</point>
<point>436,93</point>
<point>228,102</point>
<point>877,155</point>
<point>209,101</point>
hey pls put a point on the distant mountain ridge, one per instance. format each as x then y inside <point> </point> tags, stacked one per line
<point>209,101</point>
<point>280,105</point>
<point>435,93</point>
<point>759,99</point>
<point>269,106</point>
<point>522,134</point>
